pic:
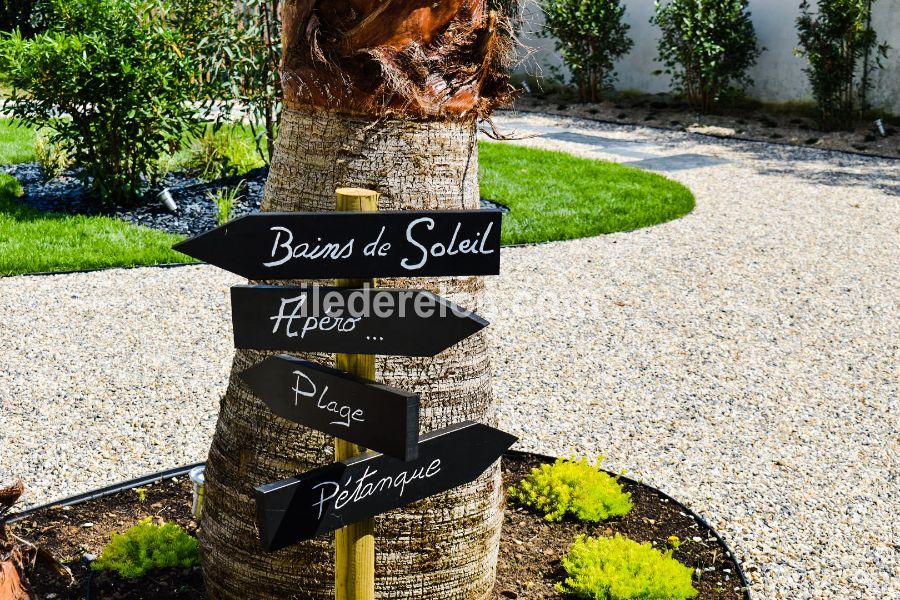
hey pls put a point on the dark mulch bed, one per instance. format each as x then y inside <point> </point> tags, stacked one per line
<point>530,550</point>
<point>196,212</point>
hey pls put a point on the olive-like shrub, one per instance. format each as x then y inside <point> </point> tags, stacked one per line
<point>148,546</point>
<point>112,81</point>
<point>573,487</point>
<point>590,35</point>
<point>706,46</point>
<point>616,568</point>
<point>835,38</point>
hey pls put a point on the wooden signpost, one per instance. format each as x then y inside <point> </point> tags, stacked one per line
<point>353,244</point>
<point>366,413</point>
<point>357,321</point>
<point>331,319</point>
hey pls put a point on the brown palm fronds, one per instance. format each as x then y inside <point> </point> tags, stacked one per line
<point>425,60</point>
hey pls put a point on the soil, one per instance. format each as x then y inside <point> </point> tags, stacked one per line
<point>530,549</point>
<point>795,127</point>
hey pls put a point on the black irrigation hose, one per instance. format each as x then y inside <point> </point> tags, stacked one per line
<point>745,584</point>
<point>178,471</point>
<point>105,491</point>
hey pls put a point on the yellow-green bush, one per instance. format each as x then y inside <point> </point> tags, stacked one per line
<point>147,546</point>
<point>51,156</point>
<point>573,487</point>
<point>616,568</point>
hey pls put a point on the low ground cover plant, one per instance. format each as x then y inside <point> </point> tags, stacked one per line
<point>574,488</point>
<point>706,46</point>
<point>224,200</point>
<point>616,568</point>
<point>148,546</point>
<point>591,35</point>
<point>51,156</point>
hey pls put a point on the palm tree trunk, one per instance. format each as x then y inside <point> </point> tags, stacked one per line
<point>419,151</point>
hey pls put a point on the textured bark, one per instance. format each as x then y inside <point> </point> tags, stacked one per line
<point>10,584</point>
<point>416,58</point>
<point>444,547</point>
<point>14,555</point>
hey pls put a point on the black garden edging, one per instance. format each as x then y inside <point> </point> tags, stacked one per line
<point>180,471</point>
<point>96,269</point>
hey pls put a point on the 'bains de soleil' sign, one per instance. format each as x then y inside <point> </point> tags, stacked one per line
<point>353,244</point>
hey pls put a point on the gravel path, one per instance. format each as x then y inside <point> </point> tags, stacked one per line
<point>742,358</point>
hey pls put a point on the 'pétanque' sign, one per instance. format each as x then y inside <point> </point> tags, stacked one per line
<point>348,491</point>
<point>271,245</point>
<point>373,415</point>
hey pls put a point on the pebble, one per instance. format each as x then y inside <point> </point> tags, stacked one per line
<point>741,358</point>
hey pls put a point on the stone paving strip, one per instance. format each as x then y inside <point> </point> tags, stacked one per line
<point>742,358</point>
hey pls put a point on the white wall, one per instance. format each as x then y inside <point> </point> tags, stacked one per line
<point>778,75</point>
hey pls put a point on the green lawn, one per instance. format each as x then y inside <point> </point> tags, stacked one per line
<point>31,241</point>
<point>16,143</point>
<point>553,196</point>
<point>556,196</point>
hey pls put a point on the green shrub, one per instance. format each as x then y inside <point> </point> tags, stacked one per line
<point>51,156</point>
<point>590,35</point>
<point>616,568</point>
<point>147,546</point>
<point>706,46</point>
<point>112,80</point>
<point>220,153</point>
<point>834,41</point>
<point>572,487</point>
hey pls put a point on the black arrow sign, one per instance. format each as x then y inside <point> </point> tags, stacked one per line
<point>353,244</point>
<point>368,320</point>
<point>370,414</point>
<point>341,493</point>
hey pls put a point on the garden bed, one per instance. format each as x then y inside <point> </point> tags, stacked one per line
<point>779,126</point>
<point>530,551</point>
<point>196,212</point>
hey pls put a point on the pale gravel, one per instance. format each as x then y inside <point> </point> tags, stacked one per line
<point>742,358</point>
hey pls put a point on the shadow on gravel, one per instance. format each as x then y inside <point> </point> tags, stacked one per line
<point>821,167</point>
